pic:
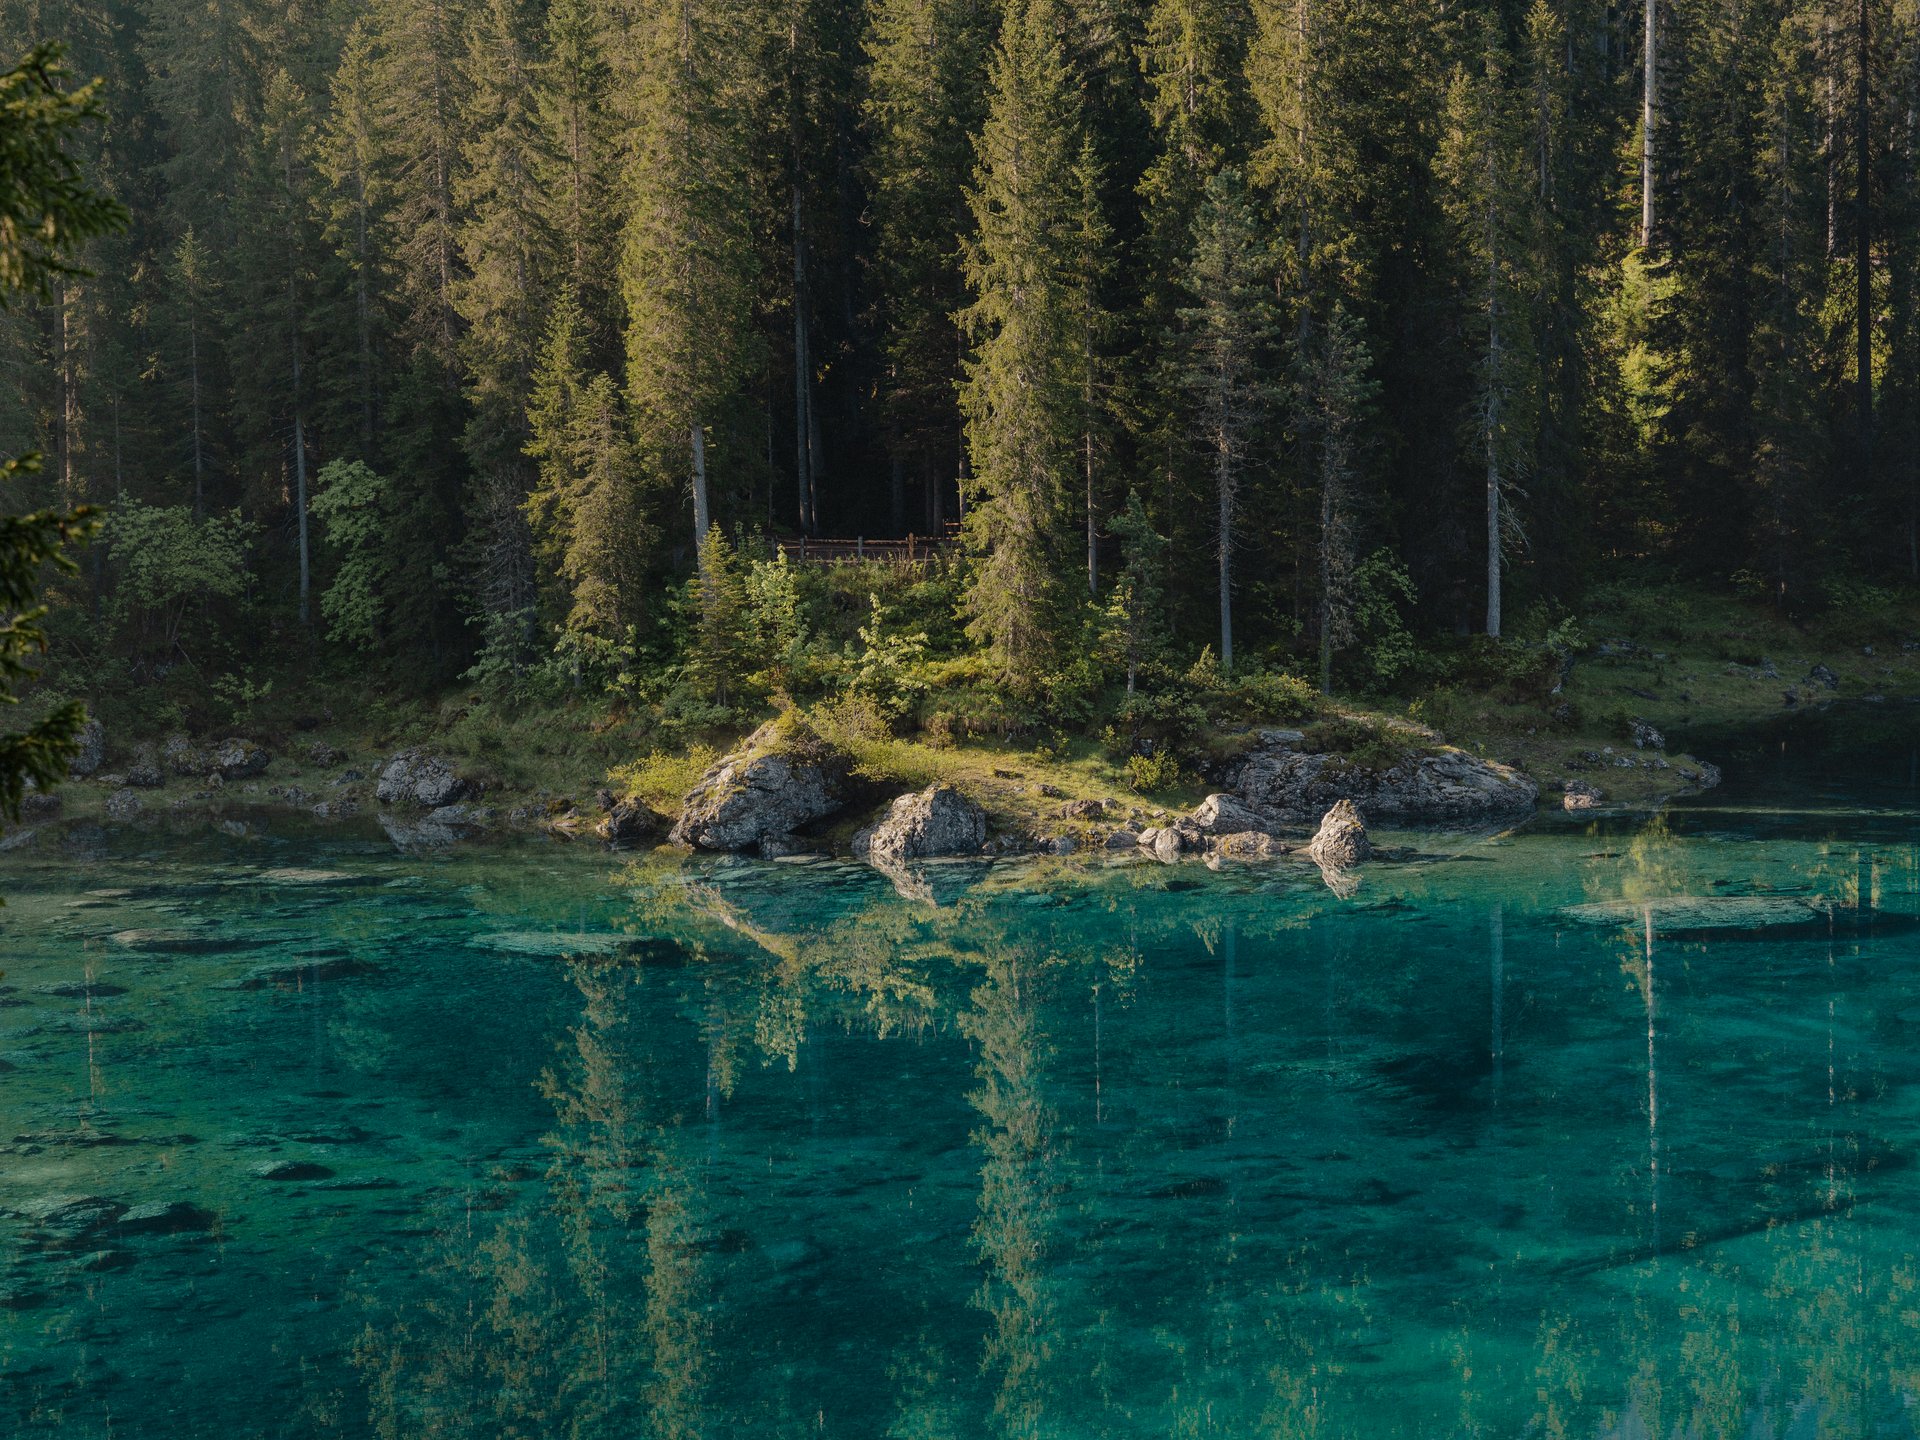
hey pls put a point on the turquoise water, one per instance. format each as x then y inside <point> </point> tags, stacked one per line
<point>304,1136</point>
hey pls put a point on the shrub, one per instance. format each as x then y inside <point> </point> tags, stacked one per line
<point>1158,771</point>
<point>660,781</point>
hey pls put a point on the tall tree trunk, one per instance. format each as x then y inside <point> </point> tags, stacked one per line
<point>1326,586</point>
<point>199,446</point>
<point>1223,478</point>
<point>1863,238</point>
<point>702,519</point>
<point>802,378</point>
<point>363,315</point>
<point>1093,540</point>
<point>1493,431</point>
<point>1648,118</point>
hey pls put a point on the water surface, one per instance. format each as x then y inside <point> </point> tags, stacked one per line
<point>304,1136</point>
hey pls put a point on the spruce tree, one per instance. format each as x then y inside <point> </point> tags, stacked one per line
<point>1488,194</point>
<point>1333,395</point>
<point>1022,392</point>
<point>925,82</point>
<point>1230,329</point>
<point>687,262</point>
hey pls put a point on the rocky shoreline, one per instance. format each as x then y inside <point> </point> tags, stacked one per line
<point>784,790</point>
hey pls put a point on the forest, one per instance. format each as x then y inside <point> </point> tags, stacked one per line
<point>516,345</point>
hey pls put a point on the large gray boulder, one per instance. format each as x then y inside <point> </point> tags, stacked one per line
<point>423,781</point>
<point>180,756</point>
<point>936,821</point>
<point>1341,842</point>
<point>238,759</point>
<point>782,779</point>
<point>93,749</point>
<point>1219,815</point>
<point>1284,785</point>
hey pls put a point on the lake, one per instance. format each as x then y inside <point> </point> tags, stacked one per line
<point>1599,1128</point>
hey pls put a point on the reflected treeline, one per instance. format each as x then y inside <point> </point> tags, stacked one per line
<point>1092,1165</point>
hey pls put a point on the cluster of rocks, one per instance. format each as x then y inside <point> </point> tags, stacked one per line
<point>1284,784</point>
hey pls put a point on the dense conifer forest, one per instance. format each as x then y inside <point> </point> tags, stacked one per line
<point>511,343</point>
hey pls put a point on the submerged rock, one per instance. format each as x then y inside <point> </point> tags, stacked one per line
<point>1280,785</point>
<point>1341,842</point>
<point>290,1170</point>
<point>783,778</point>
<point>164,1217</point>
<point>1699,914</point>
<point>936,821</point>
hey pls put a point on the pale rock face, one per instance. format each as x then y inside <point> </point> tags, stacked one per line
<point>1281,785</point>
<point>1342,840</point>
<point>238,759</point>
<point>750,797</point>
<point>936,821</point>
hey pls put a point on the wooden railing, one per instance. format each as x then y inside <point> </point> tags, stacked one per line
<point>913,549</point>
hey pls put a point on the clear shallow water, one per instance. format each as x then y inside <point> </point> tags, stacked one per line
<point>1119,1151</point>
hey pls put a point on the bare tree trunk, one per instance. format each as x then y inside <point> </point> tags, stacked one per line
<point>1326,585</point>
<point>1648,119</point>
<point>199,450</point>
<point>1863,238</point>
<point>1223,478</point>
<point>363,316</point>
<point>702,519</point>
<point>1493,432</point>
<point>802,376</point>
<point>1093,546</point>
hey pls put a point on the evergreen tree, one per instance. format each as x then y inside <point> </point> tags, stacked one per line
<point>924,87</point>
<point>48,211</point>
<point>1230,330</point>
<point>578,161</point>
<point>1333,395</point>
<point>1489,193</point>
<point>1022,391</point>
<point>686,262</point>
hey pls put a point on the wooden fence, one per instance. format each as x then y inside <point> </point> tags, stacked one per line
<point>913,549</point>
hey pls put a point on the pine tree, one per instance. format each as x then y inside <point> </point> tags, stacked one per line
<point>507,256</point>
<point>687,264</point>
<point>1488,195</point>
<point>1021,392</point>
<point>1230,328</point>
<point>1333,393</point>
<point>1136,610</point>
<point>351,159</point>
<point>48,211</point>
<point>924,87</point>
<point>579,159</point>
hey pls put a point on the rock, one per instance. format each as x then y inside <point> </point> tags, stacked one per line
<point>93,749</point>
<point>422,781</point>
<point>1704,778</point>
<point>145,776</point>
<point>290,1170</point>
<point>182,757</point>
<point>604,799</point>
<point>324,755</point>
<point>1224,815</point>
<point>1820,674</point>
<point>1579,795</point>
<point>123,804</point>
<point>1341,842</point>
<point>1281,785</point>
<point>301,973</point>
<point>1168,843</point>
<point>1059,845</point>
<point>782,779</point>
<point>164,1217</point>
<point>1051,792</point>
<point>1248,845</point>
<point>626,821</point>
<point>68,1217</point>
<point>238,759</point>
<point>1123,840</point>
<point>1082,810</point>
<point>1645,737</point>
<point>39,805</point>
<point>936,821</point>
